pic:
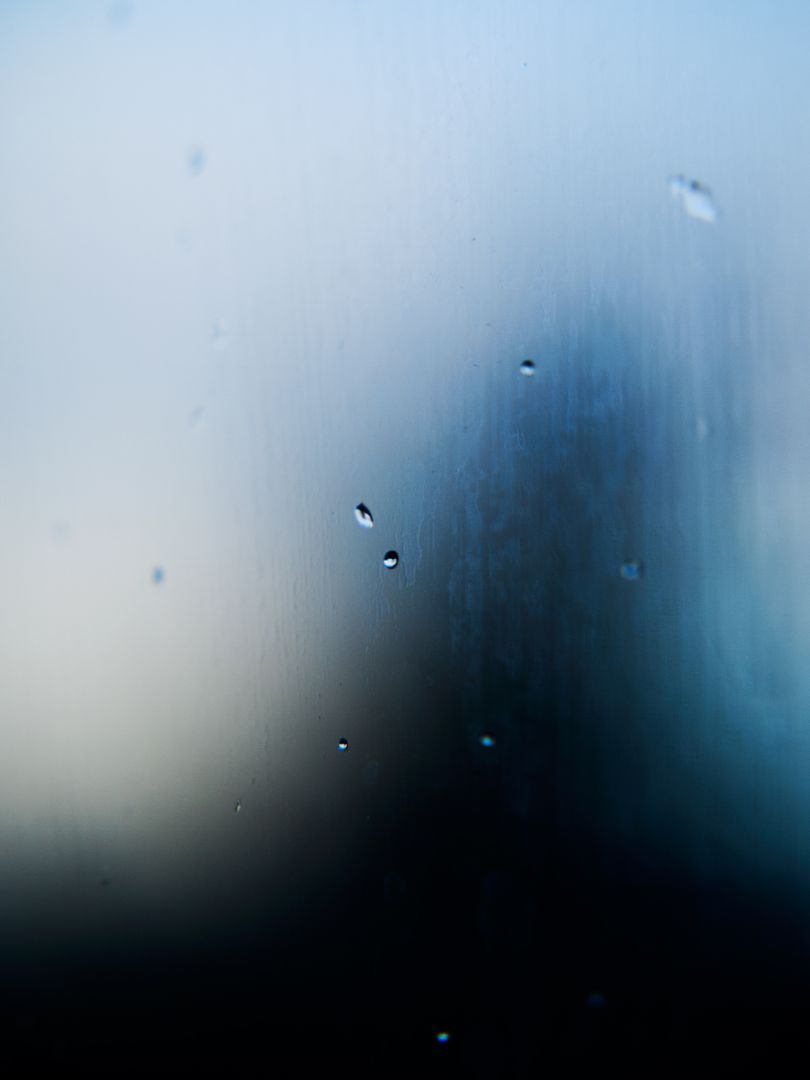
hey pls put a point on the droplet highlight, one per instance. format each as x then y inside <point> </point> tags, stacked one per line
<point>343,745</point>
<point>158,575</point>
<point>631,570</point>
<point>363,516</point>
<point>390,560</point>
<point>528,368</point>
<point>487,740</point>
<point>237,807</point>
<point>442,1036</point>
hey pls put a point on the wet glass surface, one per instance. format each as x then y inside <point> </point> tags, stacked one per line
<point>265,268</point>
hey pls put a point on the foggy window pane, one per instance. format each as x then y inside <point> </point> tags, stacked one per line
<point>404,460</point>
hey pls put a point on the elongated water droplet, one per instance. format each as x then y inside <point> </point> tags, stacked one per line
<point>528,368</point>
<point>343,745</point>
<point>237,806</point>
<point>158,574</point>
<point>363,516</point>
<point>390,560</point>
<point>631,570</point>
<point>697,200</point>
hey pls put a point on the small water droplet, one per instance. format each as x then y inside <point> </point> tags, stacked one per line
<point>343,745</point>
<point>371,772</point>
<point>487,740</point>
<point>701,428</point>
<point>119,14</point>
<point>60,532</point>
<point>237,806</point>
<point>196,160</point>
<point>528,368</point>
<point>697,200</point>
<point>158,574</point>
<point>631,570</point>
<point>390,560</point>
<point>595,1000</point>
<point>394,886</point>
<point>442,1036</point>
<point>219,332</point>
<point>196,415</point>
<point>363,516</point>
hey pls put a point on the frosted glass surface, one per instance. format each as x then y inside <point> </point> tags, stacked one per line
<point>264,263</point>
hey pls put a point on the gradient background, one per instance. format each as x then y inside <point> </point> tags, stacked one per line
<point>260,262</point>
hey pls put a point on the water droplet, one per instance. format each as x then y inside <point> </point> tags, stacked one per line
<point>196,160</point>
<point>363,516</point>
<point>196,415</point>
<point>237,806</point>
<point>701,428</point>
<point>343,745</point>
<point>631,570</point>
<point>487,740</point>
<point>158,574</point>
<point>528,368</point>
<point>697,200</point>
<point>60,532</point>
<point>595,1001</point>
<point>442,1036</point>
<point>390,560</point>
<point>219,332</point>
